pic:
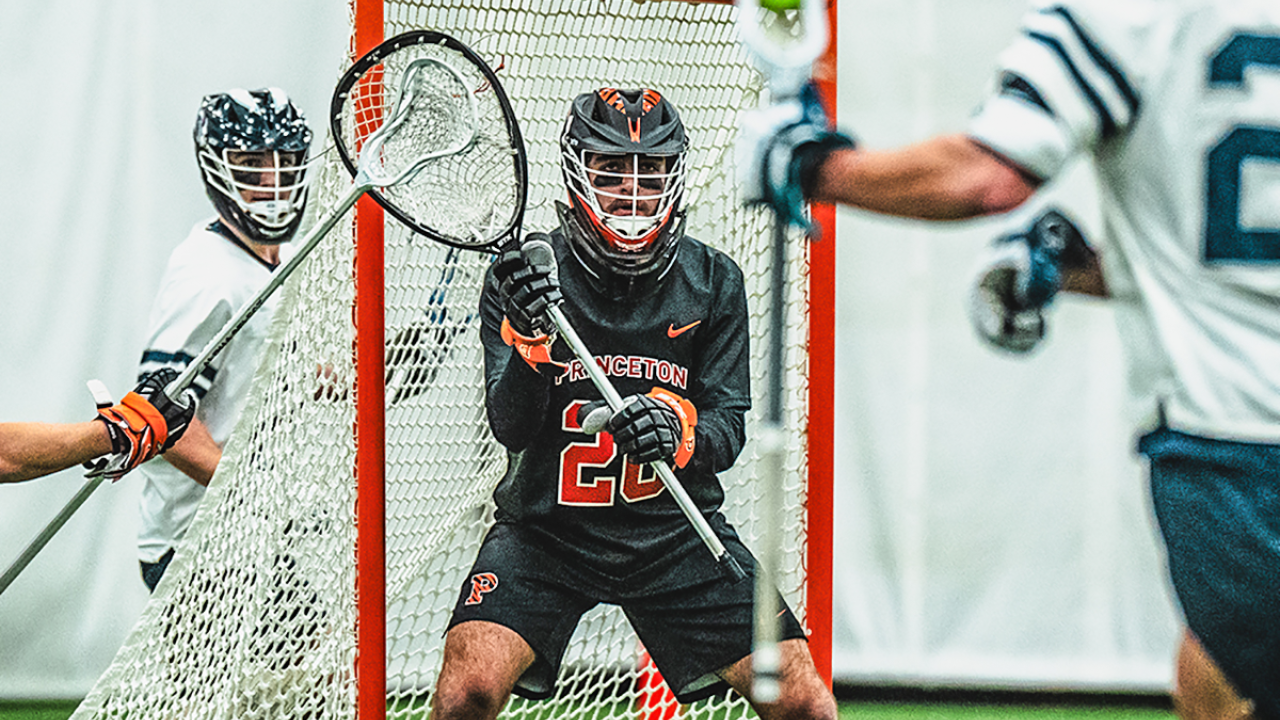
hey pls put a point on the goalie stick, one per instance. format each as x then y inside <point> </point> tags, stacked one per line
<point>434,119</point>
<point>476,201</point>
<point>786,61</point>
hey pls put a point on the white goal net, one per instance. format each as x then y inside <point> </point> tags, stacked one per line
<point>256,616</point>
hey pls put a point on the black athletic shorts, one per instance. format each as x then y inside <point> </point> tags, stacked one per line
<point>692,619</point>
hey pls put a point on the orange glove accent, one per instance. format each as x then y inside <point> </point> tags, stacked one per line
<point>535,351</point>
<point>688,415</point>
<point>138,431</point>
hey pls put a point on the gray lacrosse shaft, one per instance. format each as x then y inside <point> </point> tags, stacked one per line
<point>366,178</point>
<point>233,326</point>
<point>787,66</point>
<point>37,544</point>
<point>767,660</point>
<point>545,255</point>
<point>175,388</point>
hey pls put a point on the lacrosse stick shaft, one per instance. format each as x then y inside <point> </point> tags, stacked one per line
<point>37,544</point>
<point>184,380</point>
<point>242,317</point>
<point>700,525</point>
<point>766,662</point>
<point>787,65</point>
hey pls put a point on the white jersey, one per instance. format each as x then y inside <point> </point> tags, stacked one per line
<point>209,277</point>
<point>1178,103</point>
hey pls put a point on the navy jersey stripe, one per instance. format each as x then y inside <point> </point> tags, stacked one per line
<point>1104,115</point>
<point>1103,60</point>
<point>1015,86</point>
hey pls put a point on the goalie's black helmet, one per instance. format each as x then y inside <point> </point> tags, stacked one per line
<point>623,158</point>
<point>251,146</point>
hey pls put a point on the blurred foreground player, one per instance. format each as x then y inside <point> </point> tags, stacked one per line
<point>1178,105</point>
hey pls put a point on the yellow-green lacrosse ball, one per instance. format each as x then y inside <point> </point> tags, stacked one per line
<point>780,5</point>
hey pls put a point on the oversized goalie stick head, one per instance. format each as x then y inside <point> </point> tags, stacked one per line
<point>252,147</point>
<point>623,159</point>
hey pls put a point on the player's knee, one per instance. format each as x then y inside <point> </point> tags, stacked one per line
<point>471,697</point>
<point>801,702</point>
<point>800,706</point>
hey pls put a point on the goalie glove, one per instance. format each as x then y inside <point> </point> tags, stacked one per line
<point>526,289</point>
<point>142,425</point>
<point>780,150</point>
<point>1019,277</point>
<point>658,426</point>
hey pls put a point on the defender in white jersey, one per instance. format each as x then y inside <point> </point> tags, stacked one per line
<point>1178,103</point>
<point>252,148</point>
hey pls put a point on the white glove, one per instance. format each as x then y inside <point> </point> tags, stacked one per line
<point>994,310</point>
<point>779,149</point>
<point>1019,277</point>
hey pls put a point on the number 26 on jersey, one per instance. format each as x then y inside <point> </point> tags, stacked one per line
<point>589,469</point>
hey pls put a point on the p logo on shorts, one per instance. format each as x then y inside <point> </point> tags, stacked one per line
<point>481,583</point>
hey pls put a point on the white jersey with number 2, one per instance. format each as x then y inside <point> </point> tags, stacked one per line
<point>1178,103</point>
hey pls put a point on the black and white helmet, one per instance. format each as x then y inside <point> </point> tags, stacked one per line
<point>623,155</point>
<point>252,148</point>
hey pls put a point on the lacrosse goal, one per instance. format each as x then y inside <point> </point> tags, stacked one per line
<point>322,567</point>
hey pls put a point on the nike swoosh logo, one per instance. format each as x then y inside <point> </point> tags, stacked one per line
<point>673,331</point>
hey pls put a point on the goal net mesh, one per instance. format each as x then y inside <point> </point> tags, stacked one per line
<point>256,615</point>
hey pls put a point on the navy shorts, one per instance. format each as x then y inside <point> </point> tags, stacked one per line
<point>152,572</point>
<point>692,620</point>
<point>1218,506</point>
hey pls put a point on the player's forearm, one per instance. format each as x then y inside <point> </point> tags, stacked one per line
<point>720,433</point>
<point>949,177</point>
<point>196,454</point>
<point>30,450</point>
<point>516,401</point>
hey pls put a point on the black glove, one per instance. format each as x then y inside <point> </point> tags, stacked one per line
<point>526,290</point>
<point>645,429</point>
<point>144,424</point>
<point>177,413</point>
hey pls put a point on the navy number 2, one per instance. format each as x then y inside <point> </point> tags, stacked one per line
<point>1224,239</point>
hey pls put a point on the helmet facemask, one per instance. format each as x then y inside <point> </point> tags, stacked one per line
<point>628,200</point>
<point>622,155</point>
<point>268,187</point>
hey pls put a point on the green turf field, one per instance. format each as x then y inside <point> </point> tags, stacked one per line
<point>60,710</point>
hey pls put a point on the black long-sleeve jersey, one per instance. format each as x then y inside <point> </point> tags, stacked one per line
<point>689,336</point>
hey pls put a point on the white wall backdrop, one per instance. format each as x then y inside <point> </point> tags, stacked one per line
<point>992,526</point>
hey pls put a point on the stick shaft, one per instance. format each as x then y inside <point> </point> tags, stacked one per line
<point>197,366</point>
<point>766,684</point>
<point>249,309</point>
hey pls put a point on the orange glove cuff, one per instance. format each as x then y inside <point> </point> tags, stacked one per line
<point>688,415</point>
<point>535,351</point>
